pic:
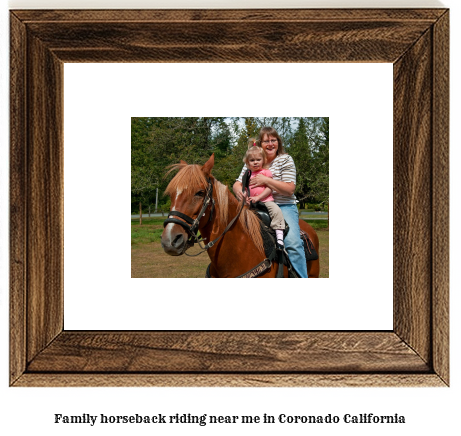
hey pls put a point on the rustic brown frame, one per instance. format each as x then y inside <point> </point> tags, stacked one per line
<point>416,352</point>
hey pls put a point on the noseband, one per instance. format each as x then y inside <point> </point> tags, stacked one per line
<point>191,225</point>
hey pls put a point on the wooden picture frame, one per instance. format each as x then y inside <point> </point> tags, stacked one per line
<point>414,353</point>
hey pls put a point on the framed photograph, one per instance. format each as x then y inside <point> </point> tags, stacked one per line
<point>159,142</point>
<point>415,352</point>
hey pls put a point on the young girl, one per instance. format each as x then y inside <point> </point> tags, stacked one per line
<point>255,160</point>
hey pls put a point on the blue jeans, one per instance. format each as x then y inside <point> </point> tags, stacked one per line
<point>293,243</point>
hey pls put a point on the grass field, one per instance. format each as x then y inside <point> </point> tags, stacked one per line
<point>148,260</point>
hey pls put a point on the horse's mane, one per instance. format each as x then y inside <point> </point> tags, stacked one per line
<point>190,179</point>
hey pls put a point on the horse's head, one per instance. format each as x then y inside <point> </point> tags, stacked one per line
<point>187,191</point>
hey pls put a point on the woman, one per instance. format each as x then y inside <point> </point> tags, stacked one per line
<point>283,184</point>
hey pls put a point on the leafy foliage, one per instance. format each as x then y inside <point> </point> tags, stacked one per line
<point>310,151</point>
<point>157,143</point>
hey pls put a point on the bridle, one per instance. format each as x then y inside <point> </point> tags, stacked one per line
<point>191,225</point>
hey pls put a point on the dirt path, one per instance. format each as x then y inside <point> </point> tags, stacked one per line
<point>150,261</point>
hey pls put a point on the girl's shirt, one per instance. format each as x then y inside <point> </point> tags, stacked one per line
<point>254,191</point>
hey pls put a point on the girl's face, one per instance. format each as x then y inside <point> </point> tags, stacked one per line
<point>255,162</point>
<point>270,145</point>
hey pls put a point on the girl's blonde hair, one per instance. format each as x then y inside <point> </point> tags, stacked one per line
<point>255,150</point>
<point>252,142</point>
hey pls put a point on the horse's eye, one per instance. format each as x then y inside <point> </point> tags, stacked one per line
<point>200,193</point>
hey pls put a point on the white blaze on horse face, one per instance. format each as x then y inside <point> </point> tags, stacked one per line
<point>169,227</point>
<point>168,230</point>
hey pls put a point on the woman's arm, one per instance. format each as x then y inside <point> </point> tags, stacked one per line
<point>283,188</point>
<point>262,196</point>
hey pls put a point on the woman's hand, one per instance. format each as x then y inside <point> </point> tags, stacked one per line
<point>237,188</point>
<point>259,180</point>
<point>266,192</point>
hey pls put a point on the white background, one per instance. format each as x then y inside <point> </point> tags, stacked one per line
<point>99,102</point>
<point>426,410</point>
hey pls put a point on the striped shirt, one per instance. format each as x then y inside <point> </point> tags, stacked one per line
<point>282,168</point>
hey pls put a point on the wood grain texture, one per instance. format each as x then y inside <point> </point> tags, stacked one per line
<point>18,187</point>
<point>44,199</point>
<point>229,41</point>
<point>228,15</point>
<point>414,354</point>
<point>235,352</point>
<point>230,380</point>
<point>230,35</point>
<point>413,196</point>
<point>440,206</point>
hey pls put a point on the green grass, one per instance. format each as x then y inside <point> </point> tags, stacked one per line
<point>150,230</point>
<point>153,220</point>
<point>317,224</point>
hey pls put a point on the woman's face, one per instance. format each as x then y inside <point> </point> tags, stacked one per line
<point>270,145</point>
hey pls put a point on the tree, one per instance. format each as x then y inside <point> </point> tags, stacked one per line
<point>320,185</point>
<point>301,151</point>
<point>159,142</point>
<point>310,150</point>
<point>144,180</point>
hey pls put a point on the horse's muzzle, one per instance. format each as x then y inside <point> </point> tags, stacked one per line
<point>173,244</point>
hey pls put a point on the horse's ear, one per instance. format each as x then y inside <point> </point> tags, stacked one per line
<point>208,166</point>
<point>183,162</point>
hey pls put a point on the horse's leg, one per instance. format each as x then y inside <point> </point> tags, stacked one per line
<point>313,266</point>
<point>213,272</point>
<point>313,269</point>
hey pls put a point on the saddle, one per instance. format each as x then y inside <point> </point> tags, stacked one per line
<point>263,214</point>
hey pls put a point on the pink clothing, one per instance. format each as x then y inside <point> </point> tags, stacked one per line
<point>256,191</point>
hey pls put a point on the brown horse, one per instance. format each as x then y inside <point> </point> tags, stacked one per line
<point>199,202</point>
